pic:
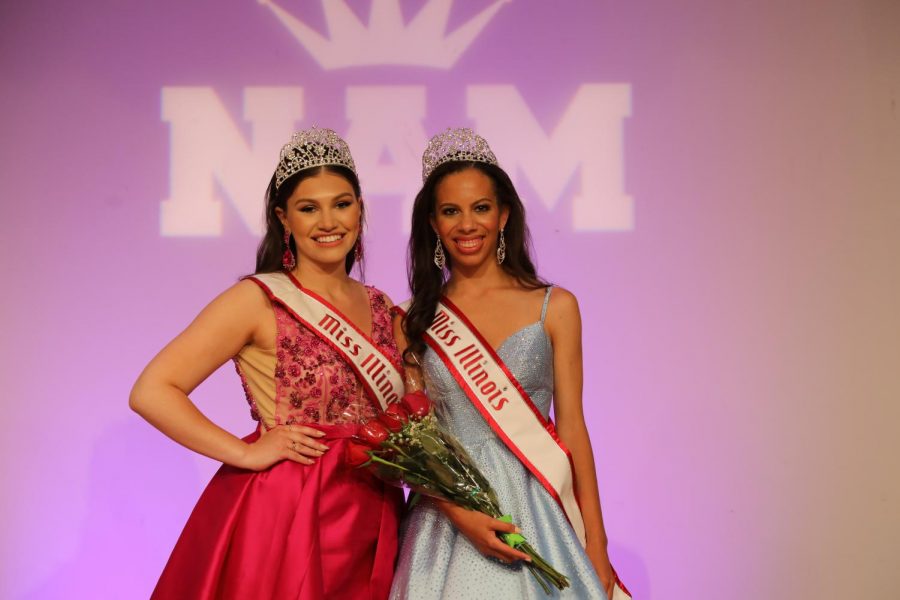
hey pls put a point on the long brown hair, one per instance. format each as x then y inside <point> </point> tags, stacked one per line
<point>426,281</point>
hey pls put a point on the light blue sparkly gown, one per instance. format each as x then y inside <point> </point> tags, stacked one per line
<point>435,560</point>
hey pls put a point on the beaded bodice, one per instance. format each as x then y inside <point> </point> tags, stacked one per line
<point>305,380</point>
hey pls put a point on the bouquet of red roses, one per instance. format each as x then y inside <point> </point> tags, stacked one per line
<point>406,446</point>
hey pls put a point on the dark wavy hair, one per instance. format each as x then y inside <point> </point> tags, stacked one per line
<point>426,281</point>
<point>271,248</point>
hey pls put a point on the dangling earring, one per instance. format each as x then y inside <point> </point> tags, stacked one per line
<point>439,260</point>
<point>501,249</point>
<point>358,248</point>
<point>287,259</point>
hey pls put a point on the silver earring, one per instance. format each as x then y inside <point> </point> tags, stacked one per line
<point>501,249</point>
<point>439,260</point>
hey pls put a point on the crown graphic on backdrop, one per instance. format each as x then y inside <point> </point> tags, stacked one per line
<point>386,40</point>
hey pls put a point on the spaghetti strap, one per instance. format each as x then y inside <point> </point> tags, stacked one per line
<point>546,303</point>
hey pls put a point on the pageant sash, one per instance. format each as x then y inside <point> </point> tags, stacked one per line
<point>381,378</point>
<point>620,592</point>
<point>505,405</point>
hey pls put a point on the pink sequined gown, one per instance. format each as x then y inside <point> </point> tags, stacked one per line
<point>315,532</point>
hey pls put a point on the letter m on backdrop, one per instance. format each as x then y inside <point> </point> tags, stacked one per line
<point>587,139</point>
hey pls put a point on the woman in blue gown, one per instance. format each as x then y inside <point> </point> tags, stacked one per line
<point>469,244</point>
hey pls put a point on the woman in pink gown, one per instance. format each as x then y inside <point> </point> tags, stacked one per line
<point>284,517</point>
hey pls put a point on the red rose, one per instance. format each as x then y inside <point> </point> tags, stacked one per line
<point>417,404</point>
<point>356,455</point>
<point>392,422</point>
<point>373,433</point>
<point>397,411</point>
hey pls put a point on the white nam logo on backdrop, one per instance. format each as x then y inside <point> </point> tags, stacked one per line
<point>387,120</point>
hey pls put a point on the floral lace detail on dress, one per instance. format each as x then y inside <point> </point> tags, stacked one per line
<point>382,326</point>
<point>313,382</point>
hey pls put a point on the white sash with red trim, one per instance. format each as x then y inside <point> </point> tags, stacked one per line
<point>381,377</point>
<point>505,405</point>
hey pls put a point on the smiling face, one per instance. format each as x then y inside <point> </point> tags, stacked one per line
<point>323,214</point>
<point>468,217</point>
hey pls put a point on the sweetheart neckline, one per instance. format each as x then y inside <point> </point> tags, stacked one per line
<point>517,332</point>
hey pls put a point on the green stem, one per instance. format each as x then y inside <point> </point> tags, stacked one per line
<point>540,581</point>
<point>378,459</point>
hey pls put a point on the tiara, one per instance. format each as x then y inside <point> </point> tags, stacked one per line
<point>461,144</point>
<point>313,147</point>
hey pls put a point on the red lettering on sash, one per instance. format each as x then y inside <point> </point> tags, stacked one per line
<point>378,370</point>
<point>530,437</point>
<point>329,324</point>
<point>471,359</point>
<point>440,322</point>
<point>375,367</point>
<point>449,334</point>
<point>442,331</point>
<point>479,376</point>
<point>380,376</point>
<point>332,326</point>
<point>469,355</point>
<point>464,350</point>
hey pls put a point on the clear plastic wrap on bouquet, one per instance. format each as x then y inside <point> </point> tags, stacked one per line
<point>407,446</point>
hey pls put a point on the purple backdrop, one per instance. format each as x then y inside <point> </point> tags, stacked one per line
<point>716,182</point>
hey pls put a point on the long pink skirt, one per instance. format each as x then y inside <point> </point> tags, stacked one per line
<point>298,532</point>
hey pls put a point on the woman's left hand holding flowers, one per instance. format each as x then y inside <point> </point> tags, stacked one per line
<point>406,445</point>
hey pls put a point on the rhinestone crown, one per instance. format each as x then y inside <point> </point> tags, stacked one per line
<point>313,147</point>
<point>461,144</point>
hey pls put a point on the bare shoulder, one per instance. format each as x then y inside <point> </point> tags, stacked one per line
<point>563,304</point>
<point>243,295</point>
<point>563,321</point>
<point>242,307</point>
